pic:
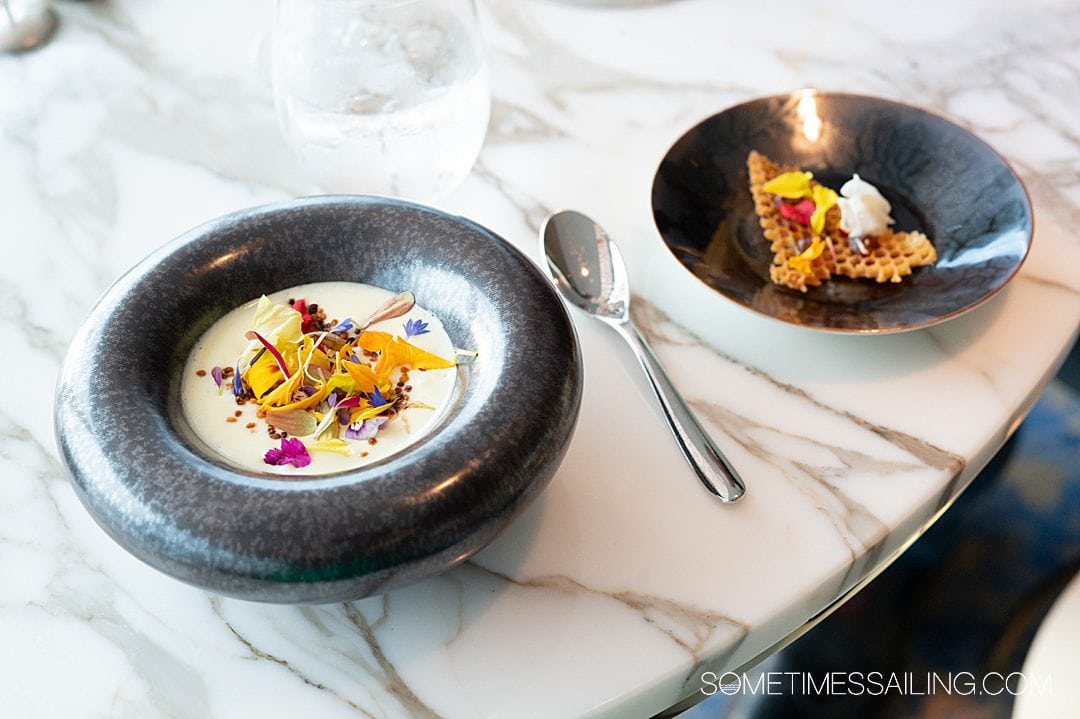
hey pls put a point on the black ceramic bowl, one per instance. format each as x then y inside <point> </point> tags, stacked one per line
<point>939,178</point>
<point>337,537</point>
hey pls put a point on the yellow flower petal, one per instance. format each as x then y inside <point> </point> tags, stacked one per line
<point>281,394</point>
<point>263,375</point>
<point>823,199</point>
<point>366,379</point>
<point>309,401</point>
<point>791,185</point>
<point>342,381</point>
<point>337,446</point>
<point>320,360</point>
<point>277,323</point>
<point>359,414</point>
<point>803,261</point>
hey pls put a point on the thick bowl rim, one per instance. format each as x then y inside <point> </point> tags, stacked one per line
<point>527,471</point>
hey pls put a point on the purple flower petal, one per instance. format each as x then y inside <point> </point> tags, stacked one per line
<point>237,384</point>
<point>344,326</point>
<point>252,335</point>
<point>292,451</point>
<point>416,327</point>
<point>216,374</point>
<point>297,452</point>
<point>375,398</point>
<point>365,429</point>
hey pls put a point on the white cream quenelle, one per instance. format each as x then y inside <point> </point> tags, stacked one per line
<point>244,440</point>
<point>864,212</point>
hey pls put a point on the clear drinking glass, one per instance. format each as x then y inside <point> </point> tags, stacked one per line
<point>385,97</point>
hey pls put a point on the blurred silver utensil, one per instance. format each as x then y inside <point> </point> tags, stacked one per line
<point>588,270</point>
<point>25,25</point>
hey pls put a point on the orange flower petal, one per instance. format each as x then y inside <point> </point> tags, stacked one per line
<point>803,261</point>
<point>373,341</point>
<point>362,375</point>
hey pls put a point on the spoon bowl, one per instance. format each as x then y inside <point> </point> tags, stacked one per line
<point>26,27</point>
<point>586,266</point>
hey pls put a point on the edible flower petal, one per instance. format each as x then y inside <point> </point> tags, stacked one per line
<point>366,379</point>
<point>296,422</point>
<point>802,261</point>
<point>375,398</point>
<point>237,382</point>
<point>253,335</point>
<point>365,429</point>
<point>307,321</point>
<point>415,327</point>
<point>263,375</point>
<point>292,451</point>
<point>372,341</point>
<point>800,212</point>
<point>275,323</point>
<point>344,326</point>
<point>342,381</point>
<point>337,446</point>
<point>325,422</point>
<point>216,374</point>
<point>361,413</point>
<point>282,394</point>
<point>791,185</point>
<point>824,199</point>
<point>306,402</point>
<point>396,306</point>
<point>398,352</point>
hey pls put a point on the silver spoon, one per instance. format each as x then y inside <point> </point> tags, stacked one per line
<point>586,267</point>
<point>31,27</point>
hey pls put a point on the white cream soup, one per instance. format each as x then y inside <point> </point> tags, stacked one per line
<point>241,438</point>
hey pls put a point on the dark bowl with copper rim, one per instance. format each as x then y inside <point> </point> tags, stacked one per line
<point>939,178</point>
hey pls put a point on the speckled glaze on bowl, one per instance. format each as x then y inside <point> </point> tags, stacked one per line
<point>938,177</point>
<point>170,501</point>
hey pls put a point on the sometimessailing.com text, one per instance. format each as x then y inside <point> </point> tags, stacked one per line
<point>875,683</point>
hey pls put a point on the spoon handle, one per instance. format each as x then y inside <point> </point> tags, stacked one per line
<point>710,464</point>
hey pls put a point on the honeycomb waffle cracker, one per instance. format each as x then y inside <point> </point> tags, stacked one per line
<point>891,257</point>
<point>784,236</point>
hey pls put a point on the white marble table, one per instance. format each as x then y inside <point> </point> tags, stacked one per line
<point>625,580</point>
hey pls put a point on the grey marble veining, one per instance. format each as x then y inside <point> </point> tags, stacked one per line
<point>612,593</point>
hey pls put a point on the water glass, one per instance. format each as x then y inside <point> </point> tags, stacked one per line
<point>384,97</point>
